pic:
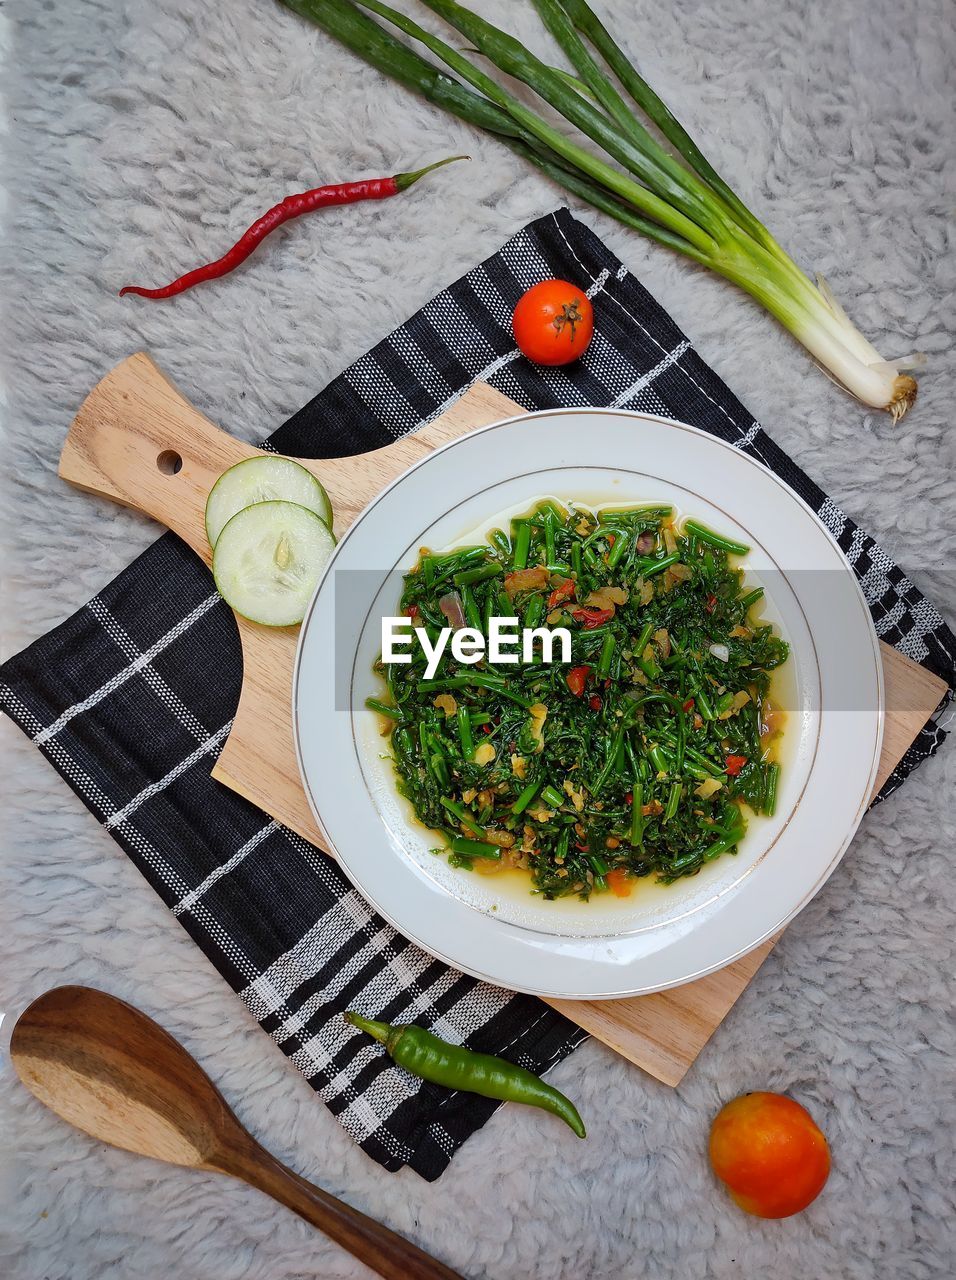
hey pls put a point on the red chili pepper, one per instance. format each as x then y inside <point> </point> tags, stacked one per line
<point>610,539</point>
<point>688,705</point>
<point>581,848</point>
<point>734,765</point>
<point>594,702</point>
<point>487,728</point>
<point>710,603</point>
<point>413,612</point>
<point>629,797</point>
<point>576,678</point>
<point>563,592</point>
<point>290,207</point>
<point>591,618</point>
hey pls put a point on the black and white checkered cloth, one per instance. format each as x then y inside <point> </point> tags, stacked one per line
<point>132,698</point>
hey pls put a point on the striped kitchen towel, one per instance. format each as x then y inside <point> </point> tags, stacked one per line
<point>132,698</point>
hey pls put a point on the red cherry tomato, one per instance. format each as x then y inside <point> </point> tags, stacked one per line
<point>553,322</point>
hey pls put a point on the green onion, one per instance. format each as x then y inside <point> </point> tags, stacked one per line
<point>679,200</point>
<point>552,797</point>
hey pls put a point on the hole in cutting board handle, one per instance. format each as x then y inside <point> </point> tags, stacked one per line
<point>169,462</point>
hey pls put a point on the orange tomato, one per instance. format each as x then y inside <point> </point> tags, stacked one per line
<point>553,322</point>
<point>769,1153</point>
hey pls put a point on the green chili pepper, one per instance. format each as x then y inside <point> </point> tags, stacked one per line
<point>429,1058</point>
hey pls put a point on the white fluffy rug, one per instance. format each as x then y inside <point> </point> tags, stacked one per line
<point>140,134</point>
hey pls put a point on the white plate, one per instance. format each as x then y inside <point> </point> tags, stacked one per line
<point>659,937</point>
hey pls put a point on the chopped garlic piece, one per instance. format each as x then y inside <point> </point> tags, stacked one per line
<point>708,788</point>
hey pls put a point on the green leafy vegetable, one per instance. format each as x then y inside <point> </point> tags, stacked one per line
<point>632,760</point>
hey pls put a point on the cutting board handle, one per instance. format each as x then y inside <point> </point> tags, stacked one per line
<point>138,440</point>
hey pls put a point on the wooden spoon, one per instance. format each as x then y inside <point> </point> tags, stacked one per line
<point>114,1073</point>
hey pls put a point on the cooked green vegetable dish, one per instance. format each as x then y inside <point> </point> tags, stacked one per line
<point>635,758</point>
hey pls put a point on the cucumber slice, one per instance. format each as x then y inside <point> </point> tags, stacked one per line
<point>268,559</point>
<point>263,479</point>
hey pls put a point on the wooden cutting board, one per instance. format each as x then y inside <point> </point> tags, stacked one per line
<point>137,440</point>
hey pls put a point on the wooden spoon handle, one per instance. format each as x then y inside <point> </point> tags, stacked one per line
<point>380,1248</point>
